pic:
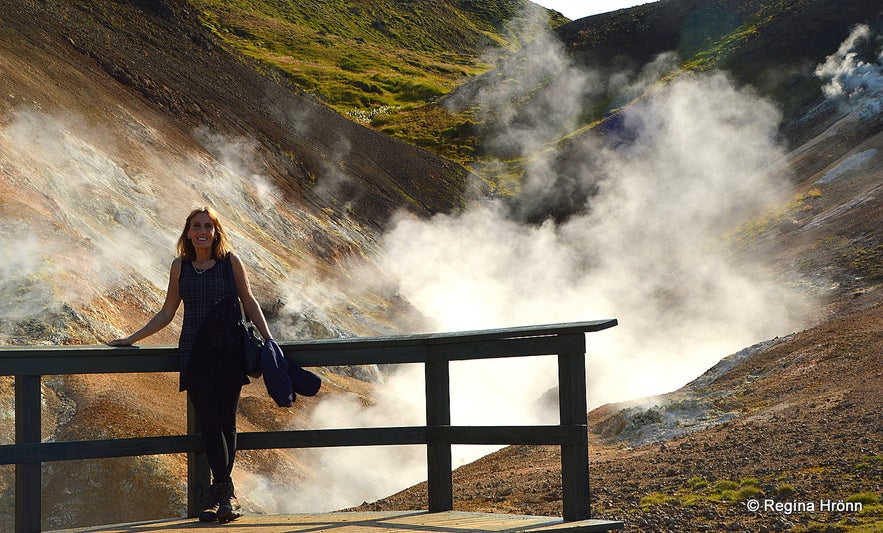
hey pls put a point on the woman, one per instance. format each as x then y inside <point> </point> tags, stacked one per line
<point>210,345</point>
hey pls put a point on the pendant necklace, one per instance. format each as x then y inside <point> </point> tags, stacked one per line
<point>200,270</point>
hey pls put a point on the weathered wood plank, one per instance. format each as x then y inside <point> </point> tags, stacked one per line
<point>96,449</point>
<point>376,522</point>
<point>49,361</point>
<point>56,360</point>
<point>463,336</point>
<point>28,496</point>
<point>198,470</point>
<point>506,435</point>
<point>344,354</point>
<point>305,438</point>
<point>440,485</point>
<point>574,455</point>
<point>324,438</point>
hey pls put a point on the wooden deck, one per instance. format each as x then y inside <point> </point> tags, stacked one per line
<point>370,522</point>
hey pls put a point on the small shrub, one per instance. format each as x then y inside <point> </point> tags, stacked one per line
<point>725,484</point>
<point>865,498</point>
<point>697,483</point>
<point>861,467</point>
<point>822,528</point>
<point>785,491</point>
<point>874,509</point>
<point>748,492</point>
<point>655,498</point>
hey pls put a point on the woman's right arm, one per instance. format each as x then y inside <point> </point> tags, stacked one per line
<point>165,315</point>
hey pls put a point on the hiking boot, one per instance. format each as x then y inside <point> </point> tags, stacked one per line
<point>228,506</point>
<point>210,512</point>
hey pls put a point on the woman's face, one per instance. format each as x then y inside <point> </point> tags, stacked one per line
<point>202,231</point>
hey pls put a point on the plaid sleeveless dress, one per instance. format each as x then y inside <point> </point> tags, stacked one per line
<point>210,345</point>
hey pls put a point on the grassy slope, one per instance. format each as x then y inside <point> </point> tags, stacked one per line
<point>380,61</point>
<point>376,53</point>
<point>386,63</point>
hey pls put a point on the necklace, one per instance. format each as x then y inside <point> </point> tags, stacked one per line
<point>201,270</point>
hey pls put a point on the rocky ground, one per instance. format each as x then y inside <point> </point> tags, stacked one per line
<point>793,423</point>
<point>807,429</point>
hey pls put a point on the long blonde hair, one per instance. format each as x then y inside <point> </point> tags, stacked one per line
<point>220,247</point>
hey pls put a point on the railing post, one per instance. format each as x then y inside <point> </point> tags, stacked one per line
<point>198,472</point>
<point>440,486</point>
<point>28,497</point>
<point>574,455</point>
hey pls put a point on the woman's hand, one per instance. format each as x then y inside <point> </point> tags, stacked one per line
<point>120,342</point>
<point>165,315</point>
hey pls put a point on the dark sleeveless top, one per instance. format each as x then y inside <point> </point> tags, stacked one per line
<point>210,345</point>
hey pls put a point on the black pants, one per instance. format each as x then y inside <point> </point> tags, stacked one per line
<point>215,405</point>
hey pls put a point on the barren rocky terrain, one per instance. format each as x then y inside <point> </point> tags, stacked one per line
<point>792,423</point>
<point>804,427</point>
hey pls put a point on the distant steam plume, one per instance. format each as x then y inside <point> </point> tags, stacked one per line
<point>847,73</point>
<point>854,73</point>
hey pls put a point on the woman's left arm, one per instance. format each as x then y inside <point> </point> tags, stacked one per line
<point>249,303</point>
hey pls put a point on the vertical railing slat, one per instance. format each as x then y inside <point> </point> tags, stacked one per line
<point>574,455</point>
<point>198,472</point>
<point>440,485</point>
<point>28,497</point>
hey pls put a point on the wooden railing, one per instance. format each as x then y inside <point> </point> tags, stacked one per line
<point>435,351</point>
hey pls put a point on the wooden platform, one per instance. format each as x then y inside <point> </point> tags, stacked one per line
<point>370,522</point>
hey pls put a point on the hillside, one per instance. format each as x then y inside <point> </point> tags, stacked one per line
<point>708,173</point>
<point>773,47</point>
<point>383,63</point>
<point>793,419</point>
<point>117,119</point>
<point>376,56</point>
<point>149,94</point>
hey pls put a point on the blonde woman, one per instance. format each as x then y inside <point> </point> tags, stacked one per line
<point>210,344</point>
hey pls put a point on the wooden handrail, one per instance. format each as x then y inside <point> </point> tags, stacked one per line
<point>435,351</point>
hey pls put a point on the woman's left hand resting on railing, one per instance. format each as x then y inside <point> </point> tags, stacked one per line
<point>162,319</point>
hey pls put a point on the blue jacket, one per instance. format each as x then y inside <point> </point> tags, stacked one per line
<point>283,379</point>
<point>274,367</point>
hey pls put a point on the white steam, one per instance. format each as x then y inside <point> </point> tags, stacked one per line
<point>850,78</point>
<point>26,262</point>
<point>237,155</point>
<point>87,209</point>
<point>649,249</point>
<point>89,214</point>
<point>350,476</point>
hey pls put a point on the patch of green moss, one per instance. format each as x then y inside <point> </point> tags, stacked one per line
<point>865,262</point>
<point>794,209</point>
<point>865,498</point>
<point>656,498</point>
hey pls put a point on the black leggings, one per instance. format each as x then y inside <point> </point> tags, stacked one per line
<point>215,406</point>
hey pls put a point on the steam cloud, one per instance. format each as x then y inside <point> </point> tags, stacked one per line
<point>853,79</point>
<point>647,247</point>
